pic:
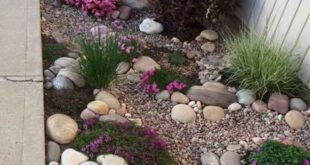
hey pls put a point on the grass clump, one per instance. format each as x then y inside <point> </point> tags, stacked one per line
<point>276,153</point>
<point>176,58</point>
<point>260,66</point>
<point>98,63</point>
<point>137,145</point>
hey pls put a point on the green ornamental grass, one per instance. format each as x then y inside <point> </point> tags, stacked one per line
<point>98,63</point>
<point>261,66</point>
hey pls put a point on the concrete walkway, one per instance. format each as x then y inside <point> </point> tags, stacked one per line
<point>21,89</point>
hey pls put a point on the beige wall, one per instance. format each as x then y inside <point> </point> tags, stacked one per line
<point>288,26</point>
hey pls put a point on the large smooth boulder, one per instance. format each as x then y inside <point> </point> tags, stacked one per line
<point>53,151</point>
<point>122,67</point>
<point>183,113</point>
<point>150,26</point>
<point>145,63</point>
<point>210,35</point>
<point>230,158</point>
<point>62,83</point>
<point>99,107</point>
<point>298,104</point>
<point>179,97</point>
<point>67,62</point>
<point>110,159</point>
<point>211,96</point>
<point>295,119</point>
<point>209,158</point>
<point>61,128</point>
<point>279,103</point>
<point>109,99</point>
<point>213,113</point>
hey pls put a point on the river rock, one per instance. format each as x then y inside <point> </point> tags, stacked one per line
<point>61,128</point>
<point>62,83</point>
<point>278,102</point>
<point>179,97</point>
<point>76,78</point>
<point>162,95</point>
<point>109,99</point>
<point>208,47</point>
<point>137,4</point>
<point>115,14</point>
<point>72,157</point>
<point>213,113</point>
<point>260,106</point>
<point>234,147</point>
<point>49,73</point>
<point>53,151</point>
<point>295,119</point>
<point>245,96</point>
<point>133,77</point>
<point>124,12</point>
<point>234,107</point>
<point>73,55</point>
<point>192,54</point>
<point>150,26</point>
<point>87,114</point>
<point>48,85</point>
<point>67,62</point>
<point>211,96</point>
<point>230,158</point>
<point>55,69</point>
<point>99,107</point>
<point>183,113</point>
<point>89,163</point>
<point>145,63</point>
<point>213,84</point>
<point>209,35</point>
<point>258,140</point>
<point>298,104</point>
<point>110,159</point>
<point>113,118</point>
<point>209,158</point>
<point>122,68</point>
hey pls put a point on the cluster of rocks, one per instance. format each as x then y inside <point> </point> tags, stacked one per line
<point>228,158</point>
<point>64,74</point>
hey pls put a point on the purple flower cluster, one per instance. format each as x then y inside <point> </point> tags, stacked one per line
<point>149,88</point>
<point>118,25</point>
<point>175,85</point>
<point>98,8</point>
<point>131,44</point>
<point>94,146</point>
<point>306,162</point>
<point>89,123</point>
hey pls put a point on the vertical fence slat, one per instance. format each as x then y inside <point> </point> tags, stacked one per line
<point>303,41</point>
<point>264,17</point>
<point>259,4</point>
<point>304,72</point>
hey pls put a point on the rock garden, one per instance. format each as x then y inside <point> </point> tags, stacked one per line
<point>134,82</point>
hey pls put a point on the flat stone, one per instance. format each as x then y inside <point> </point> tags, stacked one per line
<point>298,104</point>
<point>209,158</point>
<point>162,95</point>
<point>210,35</point>
<point>214,84</point>
<point>125,12</point>
<point>76,78</point>
<point>61,128</point>
<point>295,119</point>
<point>145,63</point>
<point>122,68</point>
<point>67,62</point>
<point>87,114</point>
<point>113,118</point>
<point>233,147</point>
<point>99,107</point>
<point>260,106</point>
<point>258,140</point>
<point>230,158</point>
<point>183,113</point>
<point>110,159</point>
<point>208,47</point>
<point>213,113</point>
<point>109,99</point>
<point>279,103</point>
<point>179,97</point>
<point>53,151</point>
<point>133,77</point>
<point>72,157</point>
<point>211,96</point>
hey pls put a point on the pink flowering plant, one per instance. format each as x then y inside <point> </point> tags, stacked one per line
<point>136,144</point>
<point>154,81</point>
<point>98,8</point>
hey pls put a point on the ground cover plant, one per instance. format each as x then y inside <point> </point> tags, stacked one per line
<point>131,46</point>
<point>98,63</point>
<point>277,153</point>
<point>176,58</point>
<point>154,81</point>
<point>137,145</point>
<point>260,66</point>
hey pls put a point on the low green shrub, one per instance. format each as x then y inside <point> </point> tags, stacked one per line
<point>276,153</point>
<point>176,58</point>
<point>260,66</point>
<point>137,145</point>
<point>98,63</point>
